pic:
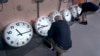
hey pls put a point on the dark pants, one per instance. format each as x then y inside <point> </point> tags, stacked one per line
<point>59,50</point>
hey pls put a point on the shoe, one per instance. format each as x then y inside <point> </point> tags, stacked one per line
<point>59,54</point>
<point>84,23</point>
<point>99,4</point>
<point>49,45</point>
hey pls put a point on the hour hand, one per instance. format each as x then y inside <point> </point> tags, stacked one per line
<point>42,26</point>
<point>19,32</point>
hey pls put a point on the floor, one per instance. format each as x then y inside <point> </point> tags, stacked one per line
<point>85,42</point>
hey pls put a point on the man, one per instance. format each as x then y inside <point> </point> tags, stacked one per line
<point>87,8</point>
<point>60,36</point>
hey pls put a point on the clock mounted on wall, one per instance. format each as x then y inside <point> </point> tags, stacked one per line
<point>67,15</point>
<point>18,34</point>
<point>42,25</point>
<point>79,10</point>
<point>73,11</point>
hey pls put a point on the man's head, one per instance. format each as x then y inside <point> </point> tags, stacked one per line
<point>57,18</point>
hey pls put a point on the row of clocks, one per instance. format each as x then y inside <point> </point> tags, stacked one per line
<point>19,33</point>
<point>43,23</point>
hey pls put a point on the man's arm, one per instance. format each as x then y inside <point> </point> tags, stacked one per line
<point>51,31</point>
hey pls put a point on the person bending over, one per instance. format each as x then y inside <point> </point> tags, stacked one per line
<point>87,8</point>
<point>60,36</point>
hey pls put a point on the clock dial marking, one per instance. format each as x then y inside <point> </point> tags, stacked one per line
<point>8,38</point>
<point>27,39</point>
<point>12,27</point>
<point>30,35</point>
<point>17,24</point>
<point>10,32</point>
<point>27,26</point>
<point>42,18</point>
<point>23,23</point>
<point>23,42</point>
<point>38,24</point>
<point>12,42</point>
<point>17,43</point>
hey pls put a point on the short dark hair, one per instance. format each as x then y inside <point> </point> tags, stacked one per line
<point>58,18</point>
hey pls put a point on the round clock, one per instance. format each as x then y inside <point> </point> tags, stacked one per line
<point>67,15</point>
<point>54,14</point>
<point>42,25</point>
<point>73,11</point>
<point>18,34</point>
<point>79,10</point>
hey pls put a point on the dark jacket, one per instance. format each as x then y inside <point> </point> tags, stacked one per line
<point>89,6</point>
<point>60,33</point>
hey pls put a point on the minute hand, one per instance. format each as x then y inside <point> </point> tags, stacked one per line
<point>43,26</point>
<point>25,32</point>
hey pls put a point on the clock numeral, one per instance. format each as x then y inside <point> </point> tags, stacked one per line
<point>43,18</point>
<point>67,15</point>
<point>22,42</point>
<point>12,42</point>
<point>27,26</point>
<point>8,38</point>
<point>17,43</point>
<point>12,27</point>
<point>40,31</point>
<point>38,24</point>
<point>30,35</point>
<point>17,24</point>
<point>27,39</point>
<point>10,32</point>
<point>23,23</point>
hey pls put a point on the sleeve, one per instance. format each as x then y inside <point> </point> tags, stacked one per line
<point>51,31</point>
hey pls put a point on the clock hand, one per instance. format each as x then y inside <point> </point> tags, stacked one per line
<point>43,26</point>
<point>25,32</point>
<point>19,32</point>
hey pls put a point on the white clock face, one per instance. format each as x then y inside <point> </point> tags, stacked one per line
<point>73,11</point>
<point>42,25</point>
<point>79,10</point>
<point>54,14</point>
<point>18,34</point>
<point>67,15</point>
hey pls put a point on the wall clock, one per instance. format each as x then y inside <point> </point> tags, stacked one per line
<point>79,10</point>
<point>67,15</point>
<point>18,33</point>
<point>54,14</point>
<point>73,11</point>
<point>42,25</point>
